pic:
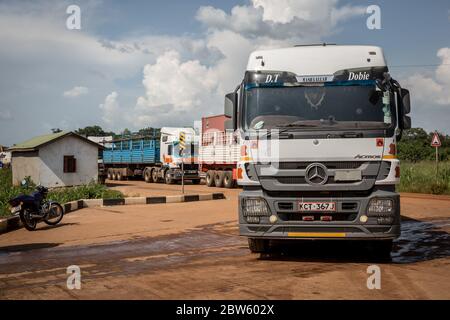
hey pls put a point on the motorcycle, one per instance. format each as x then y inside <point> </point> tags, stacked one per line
<point>35,208</point>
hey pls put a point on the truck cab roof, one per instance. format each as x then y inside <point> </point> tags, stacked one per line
<point>316,59</point>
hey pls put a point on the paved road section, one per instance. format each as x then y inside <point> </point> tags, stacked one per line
<point>192,251</point>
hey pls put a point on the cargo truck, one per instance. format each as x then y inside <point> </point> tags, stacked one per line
<point>323,165</point>
<point>218,152</point>
<point>155,159</point>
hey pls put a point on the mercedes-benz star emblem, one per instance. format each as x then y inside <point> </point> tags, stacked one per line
<point>316,174</point>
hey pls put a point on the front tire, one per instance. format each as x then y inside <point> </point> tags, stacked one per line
<point>258,245</point>
<point>59,216</point>
<point>28,222</point>
<point>167,178</point>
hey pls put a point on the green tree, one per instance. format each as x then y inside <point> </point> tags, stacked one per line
<point>416,146</point>
<point>93,131</point>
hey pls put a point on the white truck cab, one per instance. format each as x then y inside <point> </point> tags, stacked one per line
<point>318,127</point>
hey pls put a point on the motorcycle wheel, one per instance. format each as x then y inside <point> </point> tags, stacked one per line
<point>28,222</point>
<point>55,214</point>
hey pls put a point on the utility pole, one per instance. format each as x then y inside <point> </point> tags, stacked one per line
<point>182,144</point>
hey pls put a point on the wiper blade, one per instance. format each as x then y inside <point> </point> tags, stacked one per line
<point>298,125</point>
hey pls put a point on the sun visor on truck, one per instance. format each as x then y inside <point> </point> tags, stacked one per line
<point>357,76</point>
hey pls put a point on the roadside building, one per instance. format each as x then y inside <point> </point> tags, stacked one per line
<point>56,160</point>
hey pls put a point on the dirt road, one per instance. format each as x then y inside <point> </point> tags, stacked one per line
<point>192,251</point>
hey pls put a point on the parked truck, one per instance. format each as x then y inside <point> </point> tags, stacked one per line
<point>331,117</point>
<point>153,158</point>
<point>219,152</point>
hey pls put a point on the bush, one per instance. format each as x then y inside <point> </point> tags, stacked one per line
<point>421,177</point>
<point>62,195</point>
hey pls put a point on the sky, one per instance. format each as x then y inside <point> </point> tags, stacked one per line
<point>135,64</point>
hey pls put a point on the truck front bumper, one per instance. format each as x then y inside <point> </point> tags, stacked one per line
<point>348,222</point>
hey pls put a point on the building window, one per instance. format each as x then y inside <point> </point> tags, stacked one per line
<point>70,164</point>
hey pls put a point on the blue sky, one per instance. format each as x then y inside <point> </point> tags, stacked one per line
<point>150,63</point>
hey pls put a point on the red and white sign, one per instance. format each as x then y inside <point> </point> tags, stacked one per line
<point>435,142</point>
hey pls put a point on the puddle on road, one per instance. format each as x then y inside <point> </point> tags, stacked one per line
<point>422,241</point>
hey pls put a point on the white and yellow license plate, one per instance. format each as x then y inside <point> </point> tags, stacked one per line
<point>317,206</point>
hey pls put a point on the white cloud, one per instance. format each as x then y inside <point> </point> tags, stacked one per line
<point>295,20</point>
<point>110,109</point>
<point>432,89</point>
<point>76,92</point>
<point>186,88</point>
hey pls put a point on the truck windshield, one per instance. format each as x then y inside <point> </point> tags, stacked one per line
<point>312,107</point>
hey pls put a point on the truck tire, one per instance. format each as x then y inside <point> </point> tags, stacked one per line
<point>195,181</point>
<point>119,175</point>
<point>218,178</point>
<point>148,176</point>
<point>167,178</point>
<point>110,174</point>
<point>258,245</point>
<point>228,181</point>
<point>210,178</point>
<point>114,175</point>
<point>155,177</point>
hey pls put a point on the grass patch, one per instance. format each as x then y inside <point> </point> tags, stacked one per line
<point>420,177</point>
<point>61,195</point>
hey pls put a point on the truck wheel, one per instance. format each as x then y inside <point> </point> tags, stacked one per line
<point>218,178</point>
<point>258,245</point>
<point>148,176</point>
<point>155,177</point>
<point>210,178</point>
<point>167,178</point>
<point>195,181</point>
<point>228,181</point>
<point>109,174</point>
<point>114,175</point>
<point>119,175</point>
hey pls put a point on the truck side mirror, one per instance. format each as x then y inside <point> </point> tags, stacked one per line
<point>406,122</point>
<point>230,104</point>
<point>406,101</point>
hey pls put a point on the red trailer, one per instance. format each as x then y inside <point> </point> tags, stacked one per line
<point>218,152</point>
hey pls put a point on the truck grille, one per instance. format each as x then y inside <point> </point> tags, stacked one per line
<point>328,164</point>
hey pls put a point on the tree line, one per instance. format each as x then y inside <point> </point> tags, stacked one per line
<point>415,146</point>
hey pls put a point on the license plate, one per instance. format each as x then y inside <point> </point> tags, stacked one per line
<point>317,206</point>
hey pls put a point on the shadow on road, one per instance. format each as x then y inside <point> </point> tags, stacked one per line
<point>27,247</point>
<point>59,225</point>
<point>420,241</point>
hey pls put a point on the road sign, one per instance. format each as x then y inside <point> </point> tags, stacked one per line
<point>436,142</point>
<point>182,139</point>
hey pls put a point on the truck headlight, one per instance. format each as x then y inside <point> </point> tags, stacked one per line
<point>380,207</point>
<point>254,208</point>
